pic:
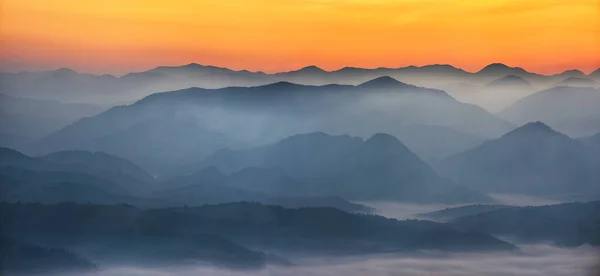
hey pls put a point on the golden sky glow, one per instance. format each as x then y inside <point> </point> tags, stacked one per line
<point>117,36</point>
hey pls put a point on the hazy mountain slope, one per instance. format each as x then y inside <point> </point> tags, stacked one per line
<point>55,187</point>
<point>569,224</point>
<point>203,121</point>
<point>434,143</point>
<point>572,110</point>
<point>510,81</point>
<point>266,186</point>
<point>100,161</point>
<point>461,211</point>
<point>532,159</point>
<point>380,168</point>
<point>31,119</point>
<point>130,178</point>
<point>315,230</point>
<point>20,258</point>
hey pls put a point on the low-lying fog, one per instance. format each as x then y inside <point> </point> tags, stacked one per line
<point>403,211</point>
<point>542,260</point>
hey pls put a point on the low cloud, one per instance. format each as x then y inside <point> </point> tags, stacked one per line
<point>533,260</point>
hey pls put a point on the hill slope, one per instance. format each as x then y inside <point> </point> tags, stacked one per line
<point>532,159</point>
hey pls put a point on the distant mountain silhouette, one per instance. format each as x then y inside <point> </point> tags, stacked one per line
<point>85,177</point>
<point>595,74</point>
<point>577,82</point>
<point>570,74</point>
<point>499,70</point>
<point>452,213</point>
<point>434,143</point>
<point>245,116</point>
<point>567,224</point>
<point>510,81</point>
<point>573,110</point>
<point>532,159</point>
<point>380,168</point>
<point>265,186</point>
<point>385,82</point>
<point>31,119</point>
<point>121,175</point>
<point>77,87</point>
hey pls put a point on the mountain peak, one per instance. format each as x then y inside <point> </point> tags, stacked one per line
<point>573,72</point>
<point>310,69</point>
<point>64,72</point>
<point>193,65</point>
<point>509,80</point>
<point>500,68</point>
<point>532,128</point>
<point>382,82</point>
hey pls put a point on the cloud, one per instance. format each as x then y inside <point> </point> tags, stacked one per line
<point>533,260</point>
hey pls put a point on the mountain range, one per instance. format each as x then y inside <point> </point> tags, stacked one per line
<point>85,177</point>
<point>317,164</point>
<point>573,110</point>
<point>239,117</point>
<point>77,87</point>
<point>532,159</point>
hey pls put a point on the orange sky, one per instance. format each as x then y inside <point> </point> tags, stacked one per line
<point>117,36</point>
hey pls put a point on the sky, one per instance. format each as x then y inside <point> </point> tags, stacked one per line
<point>119,36</point>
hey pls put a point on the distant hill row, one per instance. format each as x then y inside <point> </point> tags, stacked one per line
<point>68,85</point>
<point>318,169</point>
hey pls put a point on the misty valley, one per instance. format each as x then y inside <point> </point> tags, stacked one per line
<point>203,170</point>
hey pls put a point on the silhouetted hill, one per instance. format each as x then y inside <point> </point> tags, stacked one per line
<point>237,117</point>
<point>572,110</point>
<point>262,185</point>
<point>499,70</point>
<point>567,224</point>
<point>21,258</point>
<point>380,168</point>
<point>434,143</point>
<point>33,119</point>
<point>576,82</point>
<point>510,81</point>
<point>532,159</point>
<point>127,177</point>
<point>319,231</point>
<point>100,161</point>
<point>452,213</point>
<point>595,74</point>
<point>570,74</point>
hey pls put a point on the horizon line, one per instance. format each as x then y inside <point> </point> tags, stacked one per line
<point>298,69</point>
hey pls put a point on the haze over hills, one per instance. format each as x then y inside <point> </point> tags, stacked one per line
<point>572,110</point>
<point>255,171</point>
<point>99,178</point>
<point>532,159</point>
<point>239,117</point>
<point>24,120</point>
<point>65,84</point>
<point>342,166</point>
<point>567,224</point>
<point>315,231</point>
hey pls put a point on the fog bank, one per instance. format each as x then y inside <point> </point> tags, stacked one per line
<point>535,260</point>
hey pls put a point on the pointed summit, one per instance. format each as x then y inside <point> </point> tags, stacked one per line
<point>499,69</point>
<point>572,73</point>
<point>385,143</point>
<point>595,74</point>
<point>311,68</point>
<point>382,82</point>
<point>534,128</point>
<point>510,80</point>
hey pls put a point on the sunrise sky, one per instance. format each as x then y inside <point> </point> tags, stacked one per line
<point>118,36</point>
